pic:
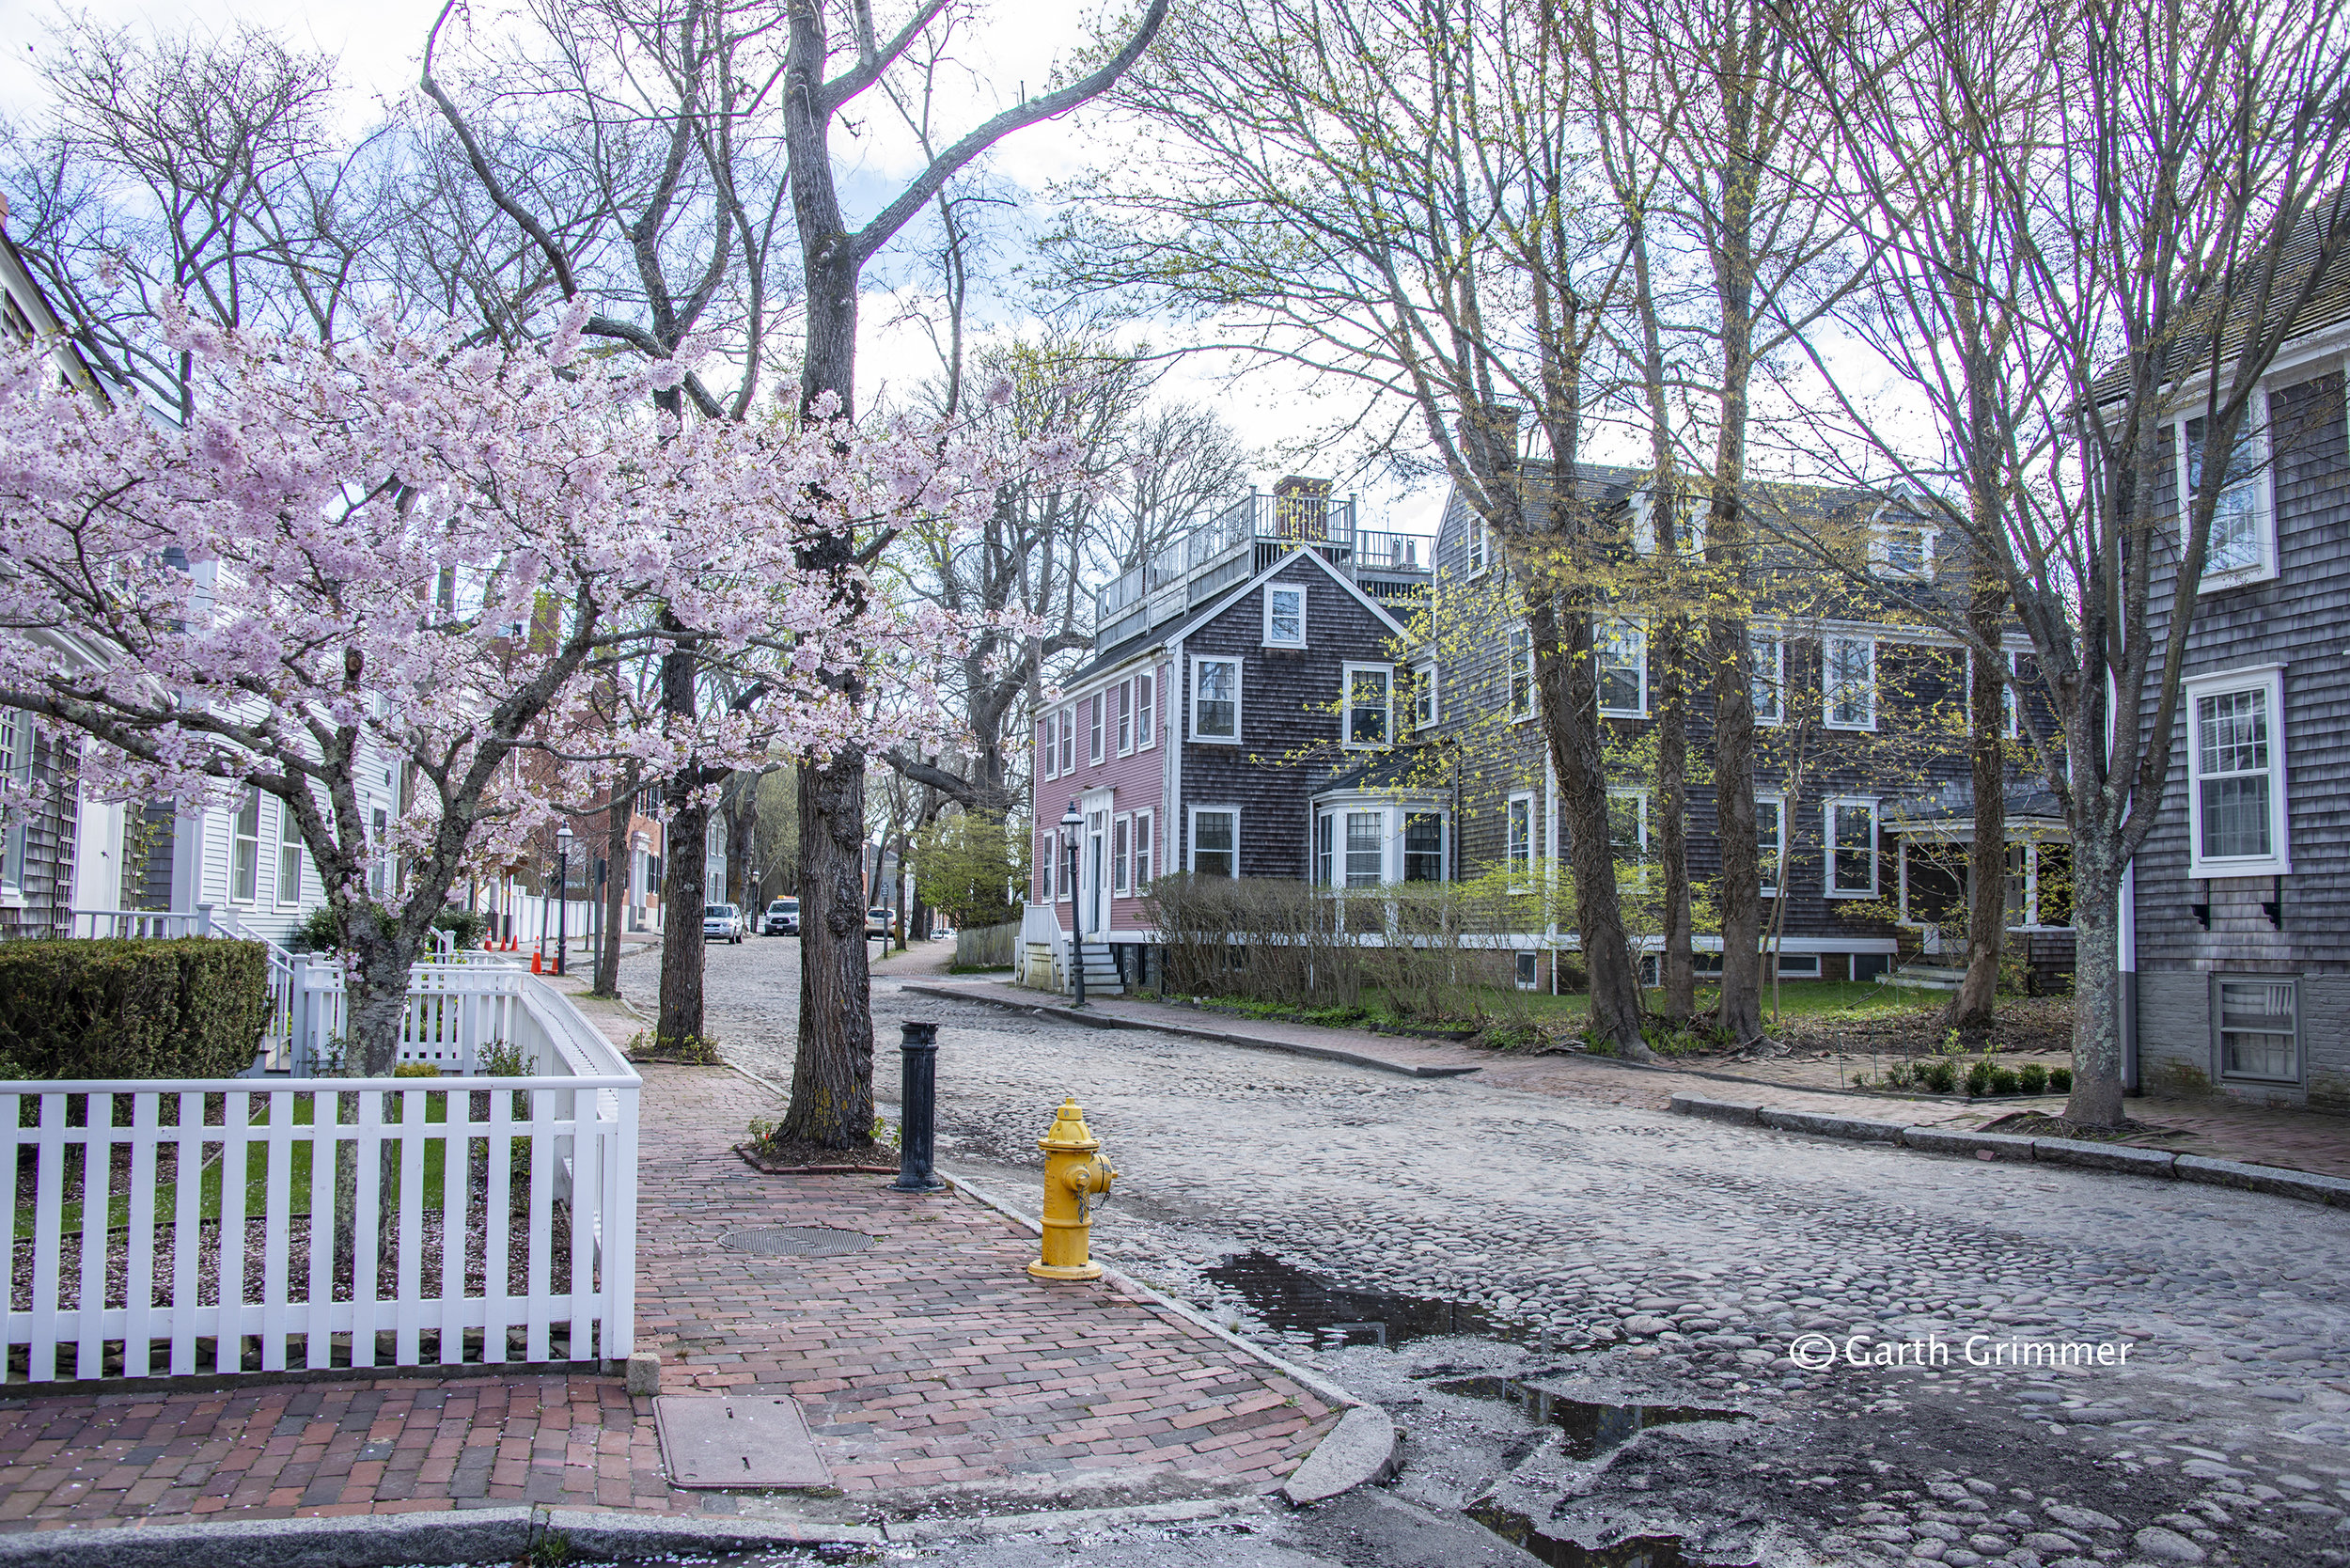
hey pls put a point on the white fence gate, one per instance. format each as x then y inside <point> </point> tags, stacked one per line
<point>171,1226</point>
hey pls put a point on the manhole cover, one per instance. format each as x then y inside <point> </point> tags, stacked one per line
<point>760,1441</point>
<point>795,1241</point>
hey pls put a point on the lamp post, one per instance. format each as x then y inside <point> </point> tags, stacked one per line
<point>562,894</point>
<point>1074,824</point>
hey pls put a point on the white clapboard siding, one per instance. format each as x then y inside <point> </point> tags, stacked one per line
<point>253,1291</point>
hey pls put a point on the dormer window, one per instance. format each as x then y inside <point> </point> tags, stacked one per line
<point>1688,526</point>
<point>1902,549</point>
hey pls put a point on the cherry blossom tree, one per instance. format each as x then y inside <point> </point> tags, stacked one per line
<point>402,551</point>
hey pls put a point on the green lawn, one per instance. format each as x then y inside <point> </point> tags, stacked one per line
<point>257,1173</point>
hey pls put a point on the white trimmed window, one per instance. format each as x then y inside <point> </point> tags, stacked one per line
<point>1215,700</point>
<point>1146,710</point>
<point>1479,546</point>
<point>2243,543</point>
<point>1068,741</point>
<point>1849,683</point>
<point>1768,654</point>
<point>1125,718</point>
<point>16,781</point>
<point>1215,840</point>
<point>1619,649</point>
<point>244,861</point>
<point>1521,674</point>
<point>290,852</point>
<point>1518,839</point>
<point>1047,857</point>
<point>1285,615</point>
<point>2257,1018</point>
<point>1048,747</point>
<point>380,869</point>
<point>1424,846</point>
<point>2236,810</point>
<point>1369,702</point>
<point>1688,526</point>
<point>1851,839</point>
<point>1903,550</point>
<point>1142,847</point>
<point>1423,696</point>
<point>1770,840</point>
<point>1121,830</point>
<point>1094,705</point>
<point>1627,824</point>
<point>2009,725</point>
<point>1366,845</point>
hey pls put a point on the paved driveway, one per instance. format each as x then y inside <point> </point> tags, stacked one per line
<point>1671,1261</point>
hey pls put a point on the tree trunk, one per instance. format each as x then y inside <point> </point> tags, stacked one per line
<point>615,861</point>
<point>1970,1009</point>
<point>683,886</point>
<point>2096,1097</point>
<point>1568,679</point>
<point>1740,1015</point>
<point>1672,815</point>
<point>832,1074</point>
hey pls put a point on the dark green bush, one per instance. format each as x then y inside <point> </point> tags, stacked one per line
<point>320,933</point>
<point>1939,1075</point>
<point>2003,1080</point>
<point>2060,1080</point>
<point>1978,1076</point>
<point>2032,1078</point>
<point>192,1008</point>
<point>468,925</point>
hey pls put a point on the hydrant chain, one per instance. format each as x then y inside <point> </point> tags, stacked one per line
<point>1076,1180</point>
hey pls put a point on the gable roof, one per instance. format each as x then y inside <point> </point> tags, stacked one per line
<point>1111,658</point>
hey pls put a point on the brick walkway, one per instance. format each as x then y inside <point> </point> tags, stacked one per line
<point>927,1360</point>
<point>2211,1126</point>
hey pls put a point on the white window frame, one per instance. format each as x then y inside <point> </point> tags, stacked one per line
<point>1770,885</point>
<point>1424,694</point>
<point>1048,742</point>
<point>1639,822</point>
<point>1048,856</point>
<point>1644,540</point>
<point>1191,842</point>
<point>244,850</point>
<point>1830,810</point>
<point>1141,847</point>
<point>1403,840</point>
<point>1478,547</point>
<point>2270,681</point>
<point>1068,741</point>
<point>1637,630</point>
<point>1346,707</point>
<point>1517,840</point>
<point>1125,690</point>
<point>2263,483</point>
<point>1830,681</point>
<point>1342,843</point>
<point>16,736</point>
<point>1273,591</point>
<point>1775,678</point>
<point>2011,714</point>
<point>1519,659</point>
<point>1197,660</point>
<point>1095,727</point>
<point>1324,848</point>
<point>1147,709</point>
<point>2291,984</point>
<point>289,848</point>
<point>1881,563</point>
<point>1121,853</point>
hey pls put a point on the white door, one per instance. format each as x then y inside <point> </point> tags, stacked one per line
<point>1095,884</point>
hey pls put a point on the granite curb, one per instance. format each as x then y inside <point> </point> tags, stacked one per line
<point>1365,1446</point>
<point>1222,1037</point>
<point>2276,1180</point>
<point>381,1539</point>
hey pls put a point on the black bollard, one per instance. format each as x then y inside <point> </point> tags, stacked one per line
<point>917,1109</point>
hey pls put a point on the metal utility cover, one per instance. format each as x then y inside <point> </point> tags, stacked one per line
<point>795,1241</point>
<point>759,1440</point>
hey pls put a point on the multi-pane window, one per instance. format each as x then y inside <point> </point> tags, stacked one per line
<point>1094,705</point>
<point>1851,682</point>
<point>244,865</point>
<point>1627,824</point>
<point>2258,1028</point>
<point>1518,836</point>
<point>1521,674</point>
<point>289,855</point>
<point>1125,717</point>
<point>1901,550</point>
<point>1215,842</point>
<point>1424,846</point>
<point>1770,840</point>
<point>1479,547</point>
<point>1142,845</point>
<point>1619,649</point>
<point>1285,617</point>
<point>2238,802</point>
<point>1366,847</point>
<point>1768,655</point>
<point>1370,704</point>
<point>16,750</point>
<point>2240,547</point>
<point>1852,849</point>
<point>380,870</point>
<point>1047,857</point>
<point>1423,696</point>
<point>1216,700</point>
<point>1068,740</point>
<point>1119,864</point>
<point>1146,710</point>
<point>2009,725</point>
<point>1048,746</point>
<point>1326,842</point>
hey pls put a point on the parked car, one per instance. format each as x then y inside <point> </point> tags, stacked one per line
<point>721,922</point>
<point>783,917</point>
<point>877,921</point>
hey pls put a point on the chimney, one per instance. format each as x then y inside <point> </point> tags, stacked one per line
<point>1301,508</point>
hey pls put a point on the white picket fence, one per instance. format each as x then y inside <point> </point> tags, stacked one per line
<point>161,1288</point>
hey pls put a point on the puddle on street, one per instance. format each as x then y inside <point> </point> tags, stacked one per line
<point>1588,1427</point>
<point>1291,1299</point>
<point>1638,1551</point>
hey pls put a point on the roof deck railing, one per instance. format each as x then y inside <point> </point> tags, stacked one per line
<point>1234,543</point>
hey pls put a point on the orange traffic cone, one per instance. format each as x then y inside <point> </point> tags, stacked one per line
<point>534,961</point>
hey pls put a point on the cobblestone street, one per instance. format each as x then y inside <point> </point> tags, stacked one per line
<point>1611,1253</point>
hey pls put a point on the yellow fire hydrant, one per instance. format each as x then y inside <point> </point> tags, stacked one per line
<point>1075,1178</point>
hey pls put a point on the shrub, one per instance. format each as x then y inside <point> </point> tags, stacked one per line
<point>2032,1078</point>
<point>320,932</point>
<point>2003,1080</point>
<point>189,1008</point>
<point>691,1050</point>
<point>1898,1075</point>
<point>1940,1074</point>
<point>1978,1076</point>
<point>468,926</point>
<point>2060,1080</point>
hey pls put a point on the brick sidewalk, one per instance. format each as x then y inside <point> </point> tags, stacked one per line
<point>927,1365</point>
<point>2212,1126</point>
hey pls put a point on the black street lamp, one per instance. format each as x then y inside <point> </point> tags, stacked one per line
<point>562,894</point>
<point>1073,822</point>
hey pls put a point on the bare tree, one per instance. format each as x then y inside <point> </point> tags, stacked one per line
<point>2119,225</point>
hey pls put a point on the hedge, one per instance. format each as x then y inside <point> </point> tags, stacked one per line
<point>190,1008</point>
